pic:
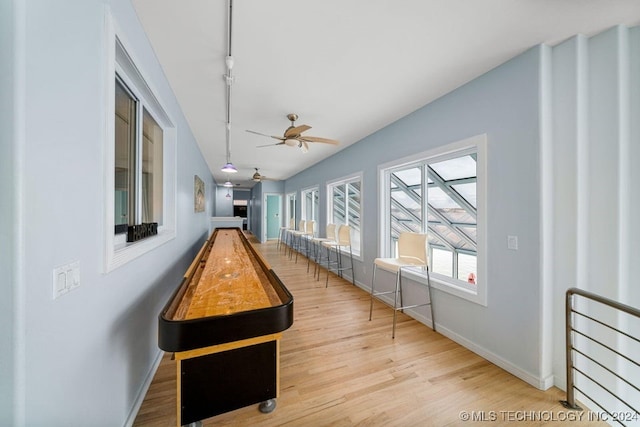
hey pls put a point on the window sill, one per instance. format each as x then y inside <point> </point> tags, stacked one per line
<point>122,253</point>
<point>447,285</point>
<point>356,255</point>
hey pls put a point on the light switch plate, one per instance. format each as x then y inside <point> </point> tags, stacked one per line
<point>512,242</point>
<point>65,278</point>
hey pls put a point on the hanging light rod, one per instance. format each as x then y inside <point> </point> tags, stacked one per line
<point>229,167</point>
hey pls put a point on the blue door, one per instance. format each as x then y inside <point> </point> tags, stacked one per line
<point>273,216</point>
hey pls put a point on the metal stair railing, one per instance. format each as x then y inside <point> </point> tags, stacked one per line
<point>573,330</point>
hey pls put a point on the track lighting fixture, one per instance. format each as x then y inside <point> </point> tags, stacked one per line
<point>229,167</point>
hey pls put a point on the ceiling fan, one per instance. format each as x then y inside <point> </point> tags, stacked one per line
<point>257,177</point>
<point>293,136</point>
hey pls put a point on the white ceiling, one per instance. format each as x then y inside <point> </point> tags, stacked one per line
<point>346,67</point>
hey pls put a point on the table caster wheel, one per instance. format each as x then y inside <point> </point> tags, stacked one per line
<point>267,406</point>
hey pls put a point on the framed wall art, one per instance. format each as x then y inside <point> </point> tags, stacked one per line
<point>198,194</point>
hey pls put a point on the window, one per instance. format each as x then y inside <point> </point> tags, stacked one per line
<point>310,204</point>
<point>125,129</point>
<point>138,187</point>
<point>441,193</point>
<point>290,209</point>
<point>139,149</point>
<point>344,206</point>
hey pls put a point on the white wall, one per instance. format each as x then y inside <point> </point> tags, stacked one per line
<point>596,106</point>
<point>84,358</point>
<point>632,291</point>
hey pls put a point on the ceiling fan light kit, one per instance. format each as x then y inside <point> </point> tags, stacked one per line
<point>258,177</point>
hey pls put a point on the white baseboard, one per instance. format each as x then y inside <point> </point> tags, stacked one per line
<point>560,382</point>
<point>143,390</point>
<point>539,383</point>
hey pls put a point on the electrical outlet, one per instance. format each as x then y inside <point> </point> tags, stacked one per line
<point>512,242</point>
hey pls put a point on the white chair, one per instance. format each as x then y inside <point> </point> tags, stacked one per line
<point>412,252</point>
<point>317,247</point>
<point>342,244</point>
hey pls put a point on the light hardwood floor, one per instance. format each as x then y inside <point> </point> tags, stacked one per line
<point>339,369</point>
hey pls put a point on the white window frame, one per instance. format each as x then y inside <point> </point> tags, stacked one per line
<point>477,144</point>
<point>303,204</point>
<point>357,177</point>
<point>290,213</point>
<point>121,59</point>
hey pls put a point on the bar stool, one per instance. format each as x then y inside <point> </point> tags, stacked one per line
<point>305,237</point>
<point>295,237</point>
<point>343,242</point>
<point>317,247</point>
<point>412,252</point>
<point>282,235</point>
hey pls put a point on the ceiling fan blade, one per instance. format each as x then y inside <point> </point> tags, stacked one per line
<point>318,139</point>
<point>296,130</point>
<point>304,146</point>
<point>264,134</point>
<point>270,145</point>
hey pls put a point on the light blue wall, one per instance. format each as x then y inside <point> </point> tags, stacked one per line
<point>83,358</point>
<point>224,204</point>
<point>504,103</point>
<point>255,212</point>
<point>8,195</point>
<point>575,106</point>
<point>241,194</point>
<point>256,203</point>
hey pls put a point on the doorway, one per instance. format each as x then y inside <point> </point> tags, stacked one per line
<point>273,216</point>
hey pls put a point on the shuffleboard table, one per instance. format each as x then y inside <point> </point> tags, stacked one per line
<point>223,324</point>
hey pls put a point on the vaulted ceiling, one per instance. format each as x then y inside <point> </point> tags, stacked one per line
<point>346,67</point>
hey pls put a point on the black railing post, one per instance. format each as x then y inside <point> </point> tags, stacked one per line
<point>571,400</point>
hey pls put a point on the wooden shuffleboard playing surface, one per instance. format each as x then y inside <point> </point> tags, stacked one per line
<point>231,281</point>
